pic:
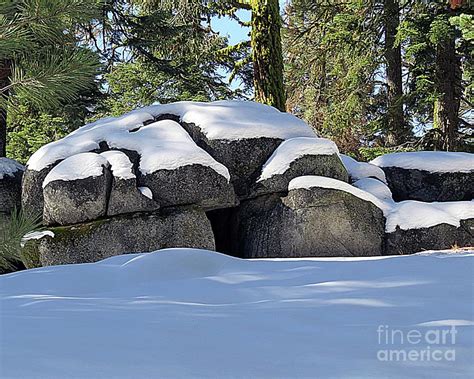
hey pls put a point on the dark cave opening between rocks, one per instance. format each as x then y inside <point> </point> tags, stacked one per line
<point>223,223</point>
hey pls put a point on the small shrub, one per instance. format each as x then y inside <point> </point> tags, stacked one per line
<point>12,230</point>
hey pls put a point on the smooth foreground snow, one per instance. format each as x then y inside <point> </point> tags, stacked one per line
<point>192,313</point>
<point>359,170</point>
<point>8,167</point>
<point>292,149</point>
<point>432,161</point>
<point>406,215</point>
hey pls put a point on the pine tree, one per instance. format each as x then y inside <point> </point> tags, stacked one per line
<point>40,59</point>
<point>438,55</point>
<point>332,67</point>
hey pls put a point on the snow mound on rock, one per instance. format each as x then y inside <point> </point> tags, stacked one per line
<point>79,166</point>
<point>359,170</point>
<point>292,149</point>
<point>235,120</point>
<point>375,187</point>
<point>432,161</point>
<point>162,145</point>
<point>412,214</point>
<point>406,215</point>
<point>311,181</point>
<point>165,144</point>
<point>8,167</point>
<point>120,164</point>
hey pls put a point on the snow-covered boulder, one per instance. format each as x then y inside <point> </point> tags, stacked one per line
<point>242,135</point>
<point>429,175</point>
<point>125,196</point>
<point>319,217</point>
<point>93,241</point>
<point>77,189</point>
<point>298,157</point>
<point>414,226</point>
<point>11,173</point>
<point>215,148</point>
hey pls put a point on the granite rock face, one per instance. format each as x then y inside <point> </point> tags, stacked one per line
<point>244,157</point>
<point>32,198</point>
<point>70,197</point>
<point>412,184</point>
<point>442,236</point>
<point>11,173</point>
<point>76,201</point>
<point>194,184</point>
<point>309,223</point>
<point>100,239</point>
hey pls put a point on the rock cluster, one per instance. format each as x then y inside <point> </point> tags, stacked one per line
<point>239,177</point>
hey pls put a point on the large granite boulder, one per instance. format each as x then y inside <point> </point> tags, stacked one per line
<point>414,226</point>
<point>319,217</point>
<point>11,173</point>
<point>298,157</point>
<point>437,237</point>
<point>429,175</point>
<point>96,240</point>
<point>77,190</point>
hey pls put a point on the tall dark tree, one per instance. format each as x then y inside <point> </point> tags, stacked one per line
<point>396,127</point>
<point>438,52</point>
<point>448,87</point>
<point>267,53</point>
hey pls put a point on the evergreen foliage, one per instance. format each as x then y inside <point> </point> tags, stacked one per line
<point>41,60</point>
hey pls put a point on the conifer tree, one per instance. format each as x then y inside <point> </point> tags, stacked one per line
<point>40,59</point>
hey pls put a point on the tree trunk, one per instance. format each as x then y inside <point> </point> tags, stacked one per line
<point>267,53</point>
<point>397,130</point>
<point>448,88</point>
<point>5,71</point>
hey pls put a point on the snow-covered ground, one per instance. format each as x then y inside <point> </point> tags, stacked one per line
<point>193,313</point>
